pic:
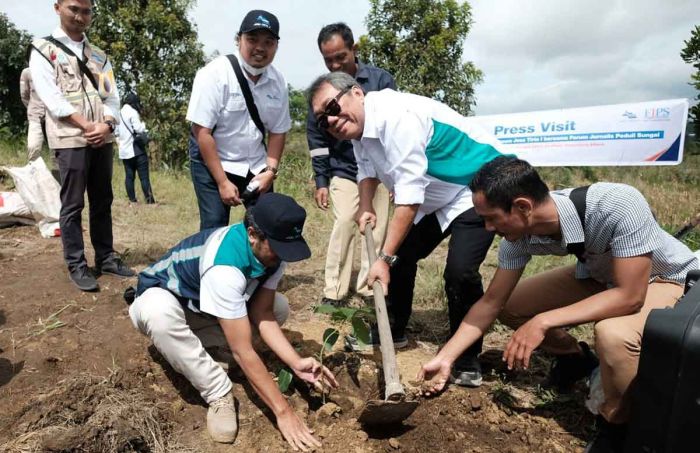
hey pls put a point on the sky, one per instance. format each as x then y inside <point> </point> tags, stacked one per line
<point>535,54</point>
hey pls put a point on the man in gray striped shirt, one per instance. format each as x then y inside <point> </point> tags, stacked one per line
<point>626,267</point>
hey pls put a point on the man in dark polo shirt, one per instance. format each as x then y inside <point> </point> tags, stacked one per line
<point>335,171</point>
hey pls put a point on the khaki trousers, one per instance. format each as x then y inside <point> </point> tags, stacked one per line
<point>35,140</point>
<point>182,335</point>
<point>345,200</point>
<point>617,340</point>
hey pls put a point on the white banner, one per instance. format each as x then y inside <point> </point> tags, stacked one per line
<point>645,133</point>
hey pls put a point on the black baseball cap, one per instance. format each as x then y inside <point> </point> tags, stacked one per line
<point>260,20</point>
<point>282,221</point>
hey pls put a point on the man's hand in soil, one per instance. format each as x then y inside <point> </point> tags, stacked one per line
<point>310,370</point>
<point>437,372</point>
<point>525,340</point>
<point>295,431</point>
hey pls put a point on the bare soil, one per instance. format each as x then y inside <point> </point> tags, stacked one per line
<point>75,376</point>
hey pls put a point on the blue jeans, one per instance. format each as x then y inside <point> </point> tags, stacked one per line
<point>138,164</point>
<point>213,213</point>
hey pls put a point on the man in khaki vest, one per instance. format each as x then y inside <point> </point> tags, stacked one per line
<point>35,114</point>
<point>74,80</point>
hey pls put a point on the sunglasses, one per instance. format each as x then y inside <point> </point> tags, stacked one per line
<point>332,109</point>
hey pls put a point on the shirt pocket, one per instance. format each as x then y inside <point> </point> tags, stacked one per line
<point>68,78</point>
<point>234,116</point>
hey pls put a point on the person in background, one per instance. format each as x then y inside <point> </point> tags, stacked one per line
<point>132,148</point>
<point>227,150</point>
<point>75,81</point>
<point>35,114</point>
<point>335,171</point>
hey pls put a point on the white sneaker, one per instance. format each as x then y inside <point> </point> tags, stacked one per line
<point>221,420</point>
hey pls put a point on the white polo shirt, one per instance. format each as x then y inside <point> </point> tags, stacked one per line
<point>423,151</point>
<point>217,100</point>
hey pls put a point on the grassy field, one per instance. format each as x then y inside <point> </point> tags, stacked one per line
<point>143,232</point>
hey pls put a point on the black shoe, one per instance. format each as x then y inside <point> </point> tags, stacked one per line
<point>569,368</point>
<point>114,266</point>
<point>466,372</point>
<point>83,279</point>
<point>334,302</point>
<point>610,438</point>
<point>353,344</point>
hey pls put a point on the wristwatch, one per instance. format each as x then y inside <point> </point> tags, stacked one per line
<point>388,259</point>
<point>273,170</point>
<point>111,125</point>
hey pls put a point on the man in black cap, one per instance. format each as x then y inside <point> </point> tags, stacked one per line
<point>212,290</point>
<point>227,147</point>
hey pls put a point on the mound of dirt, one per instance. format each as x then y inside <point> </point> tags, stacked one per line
<point>91,414</point>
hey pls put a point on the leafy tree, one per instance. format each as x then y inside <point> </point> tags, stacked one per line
<point>13,58</point>
<point>154,49</point>
<point>420,43</point>
<point>691,54</point>
<point>298,107</point>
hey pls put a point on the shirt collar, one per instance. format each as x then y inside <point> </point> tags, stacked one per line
<point>371,129</point>
<point>61,35</point>
<point>569,221</point>
<point>362,72</point>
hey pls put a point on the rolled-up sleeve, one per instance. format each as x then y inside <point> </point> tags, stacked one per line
<point>513,255</point>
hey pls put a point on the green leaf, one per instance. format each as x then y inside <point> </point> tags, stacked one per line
<point>360,330</point>
<point>284,378</point>
<point>325,309</point>
<point>344,314</point>
<point>330,336</point>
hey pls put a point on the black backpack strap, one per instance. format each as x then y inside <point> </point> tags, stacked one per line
<point>82,62</point>
<point>249,102</point>
<point>125,124</point>
<point>578,198</point>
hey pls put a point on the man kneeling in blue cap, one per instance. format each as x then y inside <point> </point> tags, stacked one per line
<point>211,290</point>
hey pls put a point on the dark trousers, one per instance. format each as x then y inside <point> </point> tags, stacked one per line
<point>469,243</point>
<point>84,169</point>
<point>138,164</point>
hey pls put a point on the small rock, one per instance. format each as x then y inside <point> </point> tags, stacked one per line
<point>362,436</point>
<point>395,444</point>
<point>475,402</point>
<point>507,428</point>
<point>177,406</point>
<point>329,410</point>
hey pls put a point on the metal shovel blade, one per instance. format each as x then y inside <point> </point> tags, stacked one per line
<point>380,412</point>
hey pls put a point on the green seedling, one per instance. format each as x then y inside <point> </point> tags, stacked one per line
<point>342,316</point>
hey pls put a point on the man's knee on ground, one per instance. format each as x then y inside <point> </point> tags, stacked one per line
<point>280,308</point>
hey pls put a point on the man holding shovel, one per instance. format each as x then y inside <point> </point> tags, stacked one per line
<point>426,154</point>
<point>214,289</point>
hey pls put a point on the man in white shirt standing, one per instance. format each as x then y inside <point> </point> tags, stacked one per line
<point>74,80</point>
<point>227,149</point>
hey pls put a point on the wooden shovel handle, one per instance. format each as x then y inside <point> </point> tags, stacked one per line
<point>394,390</point>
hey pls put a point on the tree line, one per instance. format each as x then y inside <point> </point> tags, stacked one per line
<point>154,49</point>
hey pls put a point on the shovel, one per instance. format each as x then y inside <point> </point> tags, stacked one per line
<point>393,408</point>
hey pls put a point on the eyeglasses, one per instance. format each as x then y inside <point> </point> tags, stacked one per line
<point>82,11</point>
<point>332,109</point>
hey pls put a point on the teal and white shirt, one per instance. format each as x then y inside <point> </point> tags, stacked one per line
<point>422,151</point>
<point>213,271</point>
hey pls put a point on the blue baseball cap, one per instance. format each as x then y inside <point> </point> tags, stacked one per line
<point>260,20</point>
<point>282,220</point>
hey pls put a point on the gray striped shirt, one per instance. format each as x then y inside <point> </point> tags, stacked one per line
<point>619,224</point>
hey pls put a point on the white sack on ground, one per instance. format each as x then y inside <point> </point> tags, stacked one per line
<point>13,210</point>
<point>40,193</point>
